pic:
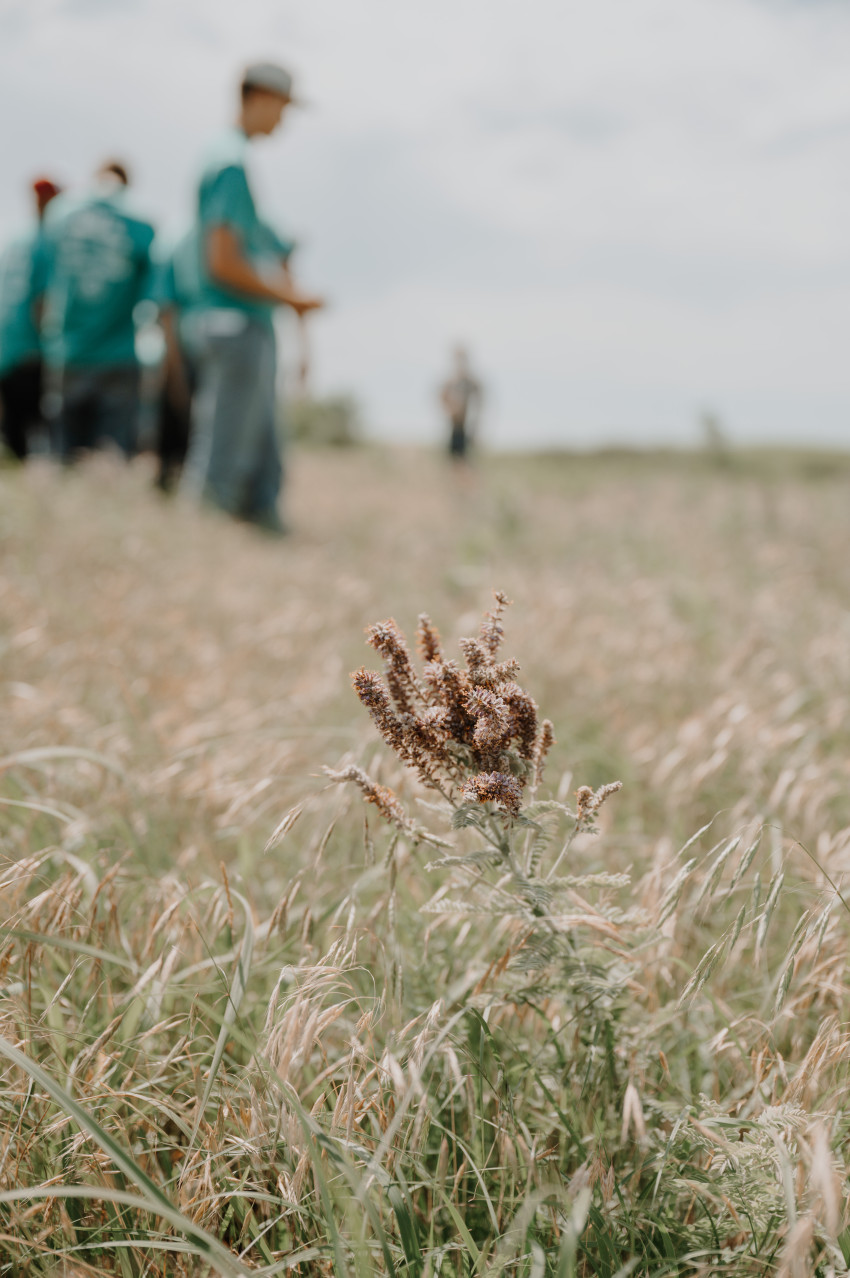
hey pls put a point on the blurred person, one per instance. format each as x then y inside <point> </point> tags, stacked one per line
<point>234,461</point>
<point>461,395</point>
<point>100,269</point>
<point>177,294</point>
<point>23,278</point>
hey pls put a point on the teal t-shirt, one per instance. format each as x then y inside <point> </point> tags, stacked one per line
<point>99,269</point>
<point>225,199</point>
<point>23,276</point>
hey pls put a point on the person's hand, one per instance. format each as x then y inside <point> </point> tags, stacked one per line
<point>304,304</point>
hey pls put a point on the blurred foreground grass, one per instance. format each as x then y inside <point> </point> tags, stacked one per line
<point>171,687</point>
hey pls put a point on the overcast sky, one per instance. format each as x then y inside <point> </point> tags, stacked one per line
<point>630,210</point>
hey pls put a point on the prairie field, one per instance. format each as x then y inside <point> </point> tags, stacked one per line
<point>250,1023</point>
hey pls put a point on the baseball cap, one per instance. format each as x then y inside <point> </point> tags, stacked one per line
<point>270,77</point>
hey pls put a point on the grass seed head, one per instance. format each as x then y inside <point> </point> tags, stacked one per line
<point>589,801</point>
<point>384,799</point>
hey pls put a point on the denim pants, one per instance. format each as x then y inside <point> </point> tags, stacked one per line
<point>98,406</point>
<point>234,459</point>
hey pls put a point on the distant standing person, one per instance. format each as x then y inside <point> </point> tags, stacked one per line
<point>461,398</point>
<point>23,278</point>
<point>100,269</point>
<point>234,460</point>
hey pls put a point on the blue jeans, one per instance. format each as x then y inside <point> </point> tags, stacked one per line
<point>234,459</point>
<point>99,406</point>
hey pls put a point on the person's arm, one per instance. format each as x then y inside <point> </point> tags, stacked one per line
<point>229,266</point>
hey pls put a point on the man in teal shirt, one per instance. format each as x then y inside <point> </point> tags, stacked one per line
<point>23,277</point>
<point>100,269</point>
<point>234,460</point>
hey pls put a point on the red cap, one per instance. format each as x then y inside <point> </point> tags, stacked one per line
<point>45,189</point>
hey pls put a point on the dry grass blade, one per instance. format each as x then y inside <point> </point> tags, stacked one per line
<point>240,976</point>
<point>283,827</point>
<point>153,1198</point>
<point>43,754</point>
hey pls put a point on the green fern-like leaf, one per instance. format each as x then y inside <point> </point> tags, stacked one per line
<point>468,814</point>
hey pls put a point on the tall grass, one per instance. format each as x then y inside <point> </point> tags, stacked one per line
<point>369,1052</point>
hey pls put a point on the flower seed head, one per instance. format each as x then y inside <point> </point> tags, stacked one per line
<point>544,745</point>
<point>429,639</point>
<point>495,787</point>
<point>492,630</point>
<point>387,639</point>
<point>384,799</point>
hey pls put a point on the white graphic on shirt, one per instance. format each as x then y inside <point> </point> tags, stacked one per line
<point>95,252</point>
<point>15,275</point>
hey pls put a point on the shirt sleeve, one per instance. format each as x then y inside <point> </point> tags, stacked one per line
<point>228,201</point>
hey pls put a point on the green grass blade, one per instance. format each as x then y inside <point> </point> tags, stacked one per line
<point>64,943</point>
<point>407,1230</point>
<point>37,807</point>
<point>153,1199</point>
<point>461,1226</point>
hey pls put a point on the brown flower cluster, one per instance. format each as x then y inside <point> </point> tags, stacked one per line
<point>494,787</point>
<point>467,727</point>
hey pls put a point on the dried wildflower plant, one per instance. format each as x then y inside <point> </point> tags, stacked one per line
<point>471,732</point>
<point>468,730</point>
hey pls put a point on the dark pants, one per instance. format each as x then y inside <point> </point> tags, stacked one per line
<point>99,407</point>
<point>458,440</point>
<point>173,425</point>
<point>20,398</point>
